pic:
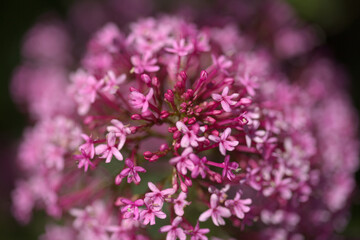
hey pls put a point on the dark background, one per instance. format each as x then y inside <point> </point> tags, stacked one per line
<point>338,19</point>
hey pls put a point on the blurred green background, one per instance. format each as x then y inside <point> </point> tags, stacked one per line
<point>338,19</point>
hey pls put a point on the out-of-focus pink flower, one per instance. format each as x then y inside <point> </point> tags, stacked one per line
<point>144,63</point>
<point>138,100</point>
<point>180,48</point>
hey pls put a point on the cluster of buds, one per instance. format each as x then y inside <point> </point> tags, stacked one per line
<point>167,127</point>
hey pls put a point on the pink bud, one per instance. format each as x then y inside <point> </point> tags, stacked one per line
<point>192,120</point>
<point>203,75</point>
<point>164,114</point>
<point>183,76</point>
<point>215,133</point>
<point>179,86</point>
<point>154,158</point>
<point>175,182</point>
<point>164,147</point>
<point>135,117</point>
<point>245,101</point>
<point>198,109</point>
<point>146,114</point>
<point>176,135</point>
<point>172,129</point>
<point>216,112</point>
<point>132,89</point>
<point>148,154</point>
<point>146,79</point>
<point>88,120</point>
<point>210,120</point>
<point>155,82</point>
<point>228,81</point>
<point>133,129</point>
<point>183,187</point>
<point>188,181</point>
<point>169,96</point>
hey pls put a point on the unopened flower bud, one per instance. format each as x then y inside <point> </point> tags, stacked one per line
<point>135,117</point>
<point>145,78</point>
<point>164,147</point>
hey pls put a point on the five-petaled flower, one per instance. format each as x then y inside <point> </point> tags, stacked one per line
<point>216,212</point>
<point>228,168</point>
<point>131,172</point>
<point>131,209</point>
<point>225,100</point>
<point>144,63</point>
<point>109,150</point>
<point>180,48</point>
<point>198,233</point>
<point>148,215</point>
<point>224,143</point>
<point>173,230</point>
<point>183,162</point>
<point>190,137</point>
<point>120,131</point>
<point>239,206</point>
<point>180,203</point>
<point>158,196</point>
<point>138,100</point>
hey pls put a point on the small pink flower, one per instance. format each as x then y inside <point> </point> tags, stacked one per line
<point>173,230</point>
<point>156,196</point>
<point>221,194</point>
<point>148,215</point>
<point>239,206</point>
<point>90,88</point>
<point>180,203</point>
<point>200,166</point>
<point>250,83</point>
<point>109,150</point>
<point>84,160</point>
<point>189,137</point>
<point>180,48</point>
<point>198,233</point>
<point>88,146</point>
<point>216,212</point>
<point>112,82</point>
<point>225,100</point>
<point>131,209</point>
<point>222,63</point>
<point>224,144</point>
<point>144,63</point>
<point>131,172</point>
<point>228,168</point>
<point>183,162</point>
<point>138,100</point>
<point>280,184</point>
<point>120,131</point>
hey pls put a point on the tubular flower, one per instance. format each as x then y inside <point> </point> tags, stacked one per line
<point>208,124</point>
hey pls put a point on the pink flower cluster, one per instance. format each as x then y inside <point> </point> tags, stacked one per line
<point>188,130</point>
